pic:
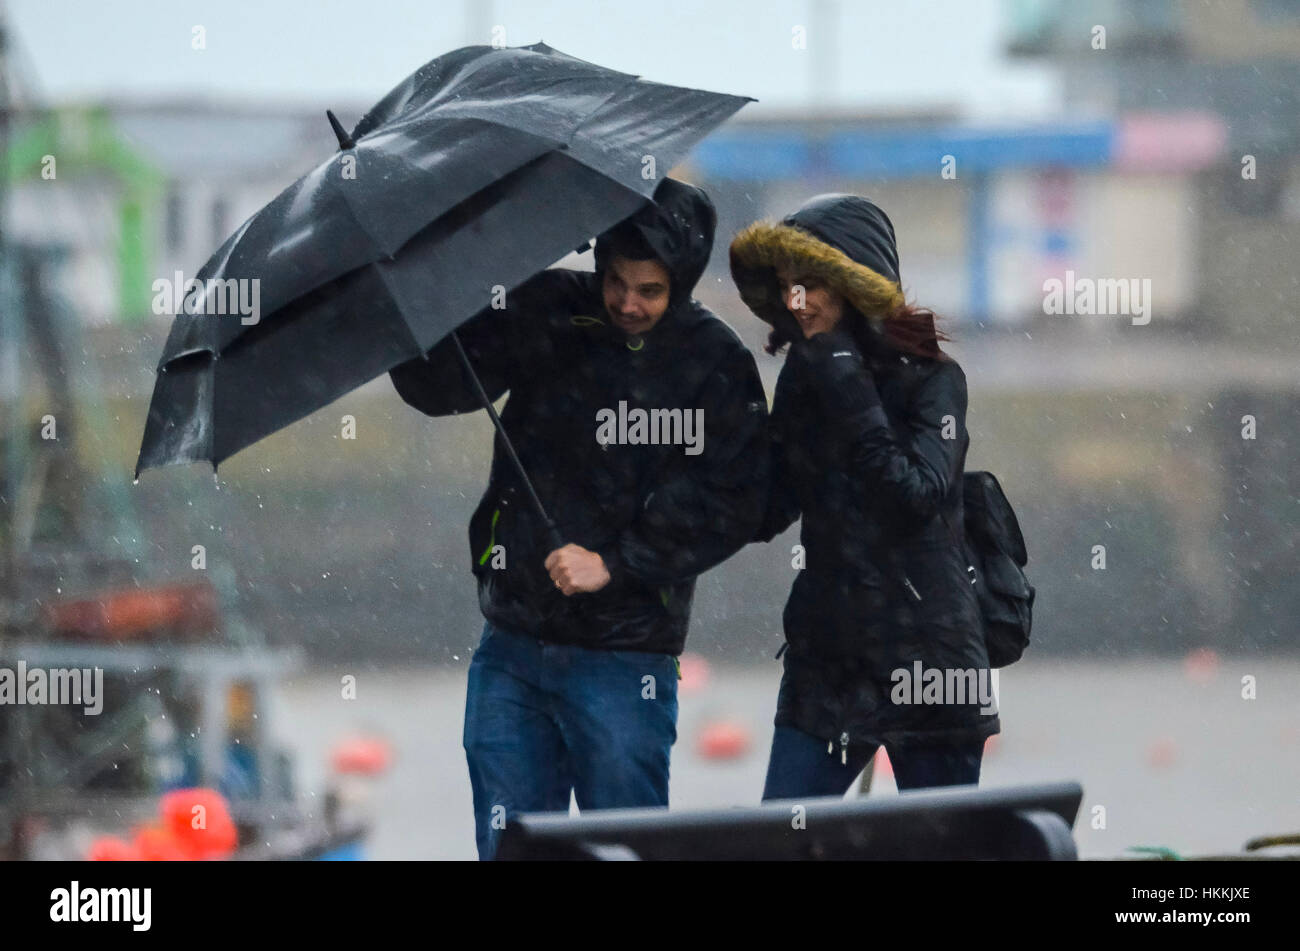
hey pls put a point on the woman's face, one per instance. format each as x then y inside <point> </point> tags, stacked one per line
<point>816,308</point>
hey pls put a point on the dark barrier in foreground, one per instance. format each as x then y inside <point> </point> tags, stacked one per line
<point>1022,822</point>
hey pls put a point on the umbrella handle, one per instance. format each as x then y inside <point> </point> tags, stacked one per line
<point>553,535</point>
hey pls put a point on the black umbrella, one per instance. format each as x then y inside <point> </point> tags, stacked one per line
<point>481,169</point>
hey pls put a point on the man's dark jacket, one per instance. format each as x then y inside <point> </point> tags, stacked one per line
<point>657,515</point>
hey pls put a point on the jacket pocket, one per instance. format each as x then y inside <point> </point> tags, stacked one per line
<point>485,533</point>
<point>922,570</point>
<point>501,542</point>
<point>910,587</point>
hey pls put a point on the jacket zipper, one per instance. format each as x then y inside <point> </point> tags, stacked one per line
<point>907,582</point>
<point>844,747</point>
<point>844,734</point>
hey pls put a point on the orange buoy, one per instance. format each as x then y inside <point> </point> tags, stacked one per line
<point>157,844</point>
<point>1201,665</point>
<point>695,673</point>
<point>199,822</point>
<point>367,756</point>
<point>1162,753</point>
<point>109,848</point>
<point>723,740</point>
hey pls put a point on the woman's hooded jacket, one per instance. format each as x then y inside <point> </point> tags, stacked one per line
<point>885,642</point>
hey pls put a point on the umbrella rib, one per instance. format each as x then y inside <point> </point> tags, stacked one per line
<point>426,175</point>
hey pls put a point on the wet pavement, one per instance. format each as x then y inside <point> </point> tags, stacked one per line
<point>1169,750</point>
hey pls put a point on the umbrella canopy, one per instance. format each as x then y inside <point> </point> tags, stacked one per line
<point>479,170</point>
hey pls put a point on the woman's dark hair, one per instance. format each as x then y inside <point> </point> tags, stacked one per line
<point>908,329</point>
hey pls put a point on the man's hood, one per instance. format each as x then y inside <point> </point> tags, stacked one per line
<point>679,226</point>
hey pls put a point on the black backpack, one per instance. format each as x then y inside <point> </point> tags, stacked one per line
<point>996,558</point>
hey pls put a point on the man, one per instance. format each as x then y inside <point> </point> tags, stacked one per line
<point>640,418</point>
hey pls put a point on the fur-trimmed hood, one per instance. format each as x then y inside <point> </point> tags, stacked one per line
<point>845,241</point>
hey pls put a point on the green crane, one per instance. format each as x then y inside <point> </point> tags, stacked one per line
<point>76,142</point>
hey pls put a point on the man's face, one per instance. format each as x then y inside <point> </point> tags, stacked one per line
<point>636,293</point>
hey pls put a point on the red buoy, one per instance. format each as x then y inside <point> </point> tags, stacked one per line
<point>109,848</point>
<point>696,673</point>
<point>723,740</point>
<point>158,844</point>
<point>367,756</point>
<point>1201,665</point>
<point>199,822</point>
<point>1162,753</point>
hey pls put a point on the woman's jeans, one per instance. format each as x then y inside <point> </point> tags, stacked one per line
<point>800,767</point>
<point>542,719</point>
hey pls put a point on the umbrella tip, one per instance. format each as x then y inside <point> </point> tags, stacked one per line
<point>345,140</point>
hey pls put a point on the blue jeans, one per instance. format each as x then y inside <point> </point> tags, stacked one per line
<point>799,766</point>
<point>542,720</point>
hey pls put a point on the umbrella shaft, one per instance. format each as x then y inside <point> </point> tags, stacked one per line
<point>553,533</point>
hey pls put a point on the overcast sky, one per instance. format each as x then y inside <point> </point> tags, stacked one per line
<point>895,54</point>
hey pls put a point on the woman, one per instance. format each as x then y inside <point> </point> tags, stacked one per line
<point>884,643</point>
